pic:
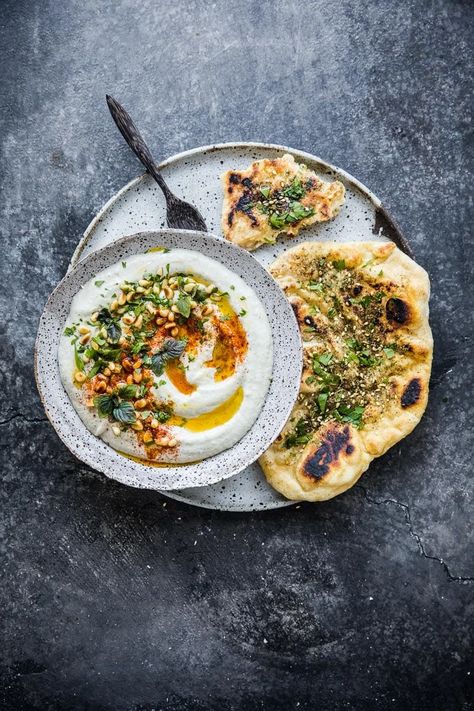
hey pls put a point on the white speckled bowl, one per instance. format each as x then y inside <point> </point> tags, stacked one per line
<point>281,396</point>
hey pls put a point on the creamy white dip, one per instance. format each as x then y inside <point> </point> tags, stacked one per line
<point>214,409</point>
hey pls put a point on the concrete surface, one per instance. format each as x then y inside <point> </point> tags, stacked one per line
<point>116,599</point>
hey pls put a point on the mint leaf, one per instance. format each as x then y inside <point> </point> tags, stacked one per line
<point>184,305</point>
<point>105,404</point>
<point>124,412</point>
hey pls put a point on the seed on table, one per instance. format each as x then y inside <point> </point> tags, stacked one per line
<point>79,377</point>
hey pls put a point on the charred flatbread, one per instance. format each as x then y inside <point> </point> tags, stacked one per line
<point>274,197</point>
<point>363,314</point>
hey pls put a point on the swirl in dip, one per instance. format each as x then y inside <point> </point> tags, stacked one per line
<point>167,356</point>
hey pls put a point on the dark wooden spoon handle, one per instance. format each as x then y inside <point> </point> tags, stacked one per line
<point>134,139</point>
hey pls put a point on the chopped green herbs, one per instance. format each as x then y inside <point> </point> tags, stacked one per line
<point>339,264</point>
<point>300,435</point>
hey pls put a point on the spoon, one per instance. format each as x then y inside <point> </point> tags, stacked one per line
<point>179,214</point>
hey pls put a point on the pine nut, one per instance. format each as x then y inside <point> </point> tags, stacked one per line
<point>163,312</point>
<point>168,292</point>
<point>95,316</point>
<point>109,389</point>
<point>114,305</point>
<point>122,299</point>
<point>172,442</point>
<point>128,319</point>
<point>100,387</point>
<point>85,339</point>
<point>116,430</point>
<point>137,376</point>
<point>111,365</point>
<point>137,364</point>
<point>169,325</point>
<point>84,329</point>
<point>130,296</point>
<point>137,426</point>
<point>140,404</point>
<point>171,316</point>
<point>79,377</point>
<point>151,309</point>
<point>188,288</point>
<point>148,437</point>
<point>144,282</point>
<point>95,345</point>
<point>160,321</point>
<point>175,309</point>
<point>154,423</point>
<point>130,379</point>
<point>107,371</point>
<point>174,332</point>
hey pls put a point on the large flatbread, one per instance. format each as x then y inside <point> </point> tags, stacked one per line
<point>274,197</point>
<point>363,314</point>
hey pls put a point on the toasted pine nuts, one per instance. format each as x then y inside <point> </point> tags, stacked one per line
<point>169,325</point>
<point>130,296</point>
<point>137,376</point>
<point>172,442</point>
<point>139,321</point>
<point>140,404</point>
<point>100,387</point>
<point>160,321</point>
<point>85,339</point>
<point>163,312</point>
<point>107,371</point>
<point>116,430</point>
<point>174,332</point>
<point>137,426</point>
<point>122,299</point>
<point>84,329</point>
<point>175,309</point>
<point>154,423</point>
<point>114,305</point>
<point>188,288</point>
<point>95,316</point>
<point>137,364</point>
<point>79,377</point>
<point>171,316</point>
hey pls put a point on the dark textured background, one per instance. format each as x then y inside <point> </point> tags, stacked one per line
<point>116,599</point>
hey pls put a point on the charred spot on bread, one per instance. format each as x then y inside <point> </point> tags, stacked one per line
<point>318,464</point>
<point>234,178</point>
<point>397,310</point>
<point>412,393</point>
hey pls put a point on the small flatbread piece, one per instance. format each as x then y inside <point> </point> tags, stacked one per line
<point>363,313</point>
<point>274,197</point>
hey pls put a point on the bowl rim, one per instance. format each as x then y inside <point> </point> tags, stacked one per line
<point>84,270</point>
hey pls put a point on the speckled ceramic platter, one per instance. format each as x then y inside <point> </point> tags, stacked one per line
<point>194,175</point>
<point>280,398</point>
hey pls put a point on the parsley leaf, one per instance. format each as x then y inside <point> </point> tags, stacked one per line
<point>300,435</point>
<point>351,415</point>
<point>339,264</point>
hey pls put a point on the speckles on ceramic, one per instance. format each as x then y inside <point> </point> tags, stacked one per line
<point>286,374</point>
